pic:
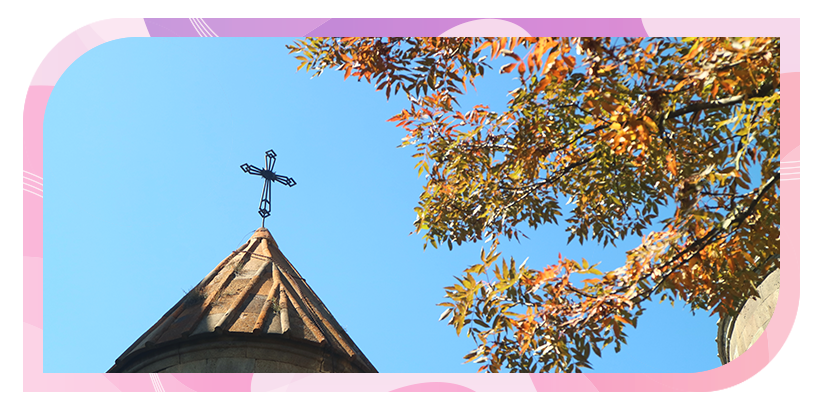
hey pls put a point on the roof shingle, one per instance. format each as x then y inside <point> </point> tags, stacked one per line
<point>255,290</point>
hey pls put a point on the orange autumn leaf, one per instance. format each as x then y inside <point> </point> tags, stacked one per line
<point>670,163</point>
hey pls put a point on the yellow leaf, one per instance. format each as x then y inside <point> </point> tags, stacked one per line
<point>681,84</point>
<point>694,50</point>
<point>670,163</point>
<point>650,124</point>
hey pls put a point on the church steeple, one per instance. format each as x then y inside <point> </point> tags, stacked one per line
<point>253,313</point>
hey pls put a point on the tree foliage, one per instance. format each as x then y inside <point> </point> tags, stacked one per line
<point>621,128</point>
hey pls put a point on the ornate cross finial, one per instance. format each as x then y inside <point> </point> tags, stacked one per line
<point>269,176</point>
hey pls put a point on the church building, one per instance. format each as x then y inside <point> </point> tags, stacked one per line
<point>254,313</point>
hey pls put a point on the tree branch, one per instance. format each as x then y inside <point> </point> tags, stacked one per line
<point>719,103</point>
<point>706,240</point>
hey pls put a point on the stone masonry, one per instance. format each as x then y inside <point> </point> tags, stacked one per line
<point>737,334</point>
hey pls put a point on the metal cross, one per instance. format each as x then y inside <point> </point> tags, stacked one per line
<point>269,176</point>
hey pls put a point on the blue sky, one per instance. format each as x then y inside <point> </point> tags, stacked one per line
<point>143,142</point>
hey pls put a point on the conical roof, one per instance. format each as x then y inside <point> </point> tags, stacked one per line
<point>255,291</point>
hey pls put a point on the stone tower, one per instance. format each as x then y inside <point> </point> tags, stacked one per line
<point>738,333</point>
<point>252,313</point>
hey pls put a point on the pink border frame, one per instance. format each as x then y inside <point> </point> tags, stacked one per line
<point>90,36</point>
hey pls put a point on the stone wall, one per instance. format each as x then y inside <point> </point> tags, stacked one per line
<point>737,334</point>
<point>236,354</point>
